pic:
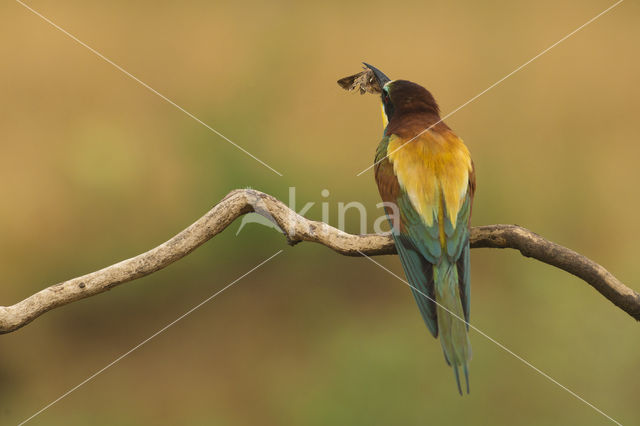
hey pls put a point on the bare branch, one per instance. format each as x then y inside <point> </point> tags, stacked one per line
<point>296,229</point>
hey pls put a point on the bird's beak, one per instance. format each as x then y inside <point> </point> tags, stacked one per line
<point>382,79</point>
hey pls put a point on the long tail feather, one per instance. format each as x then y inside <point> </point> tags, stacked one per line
<point>452,328</point>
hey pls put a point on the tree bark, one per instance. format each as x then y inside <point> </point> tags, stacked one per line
<point>296,229</point>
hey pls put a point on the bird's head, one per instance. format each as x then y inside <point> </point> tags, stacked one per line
<point>401,98</point>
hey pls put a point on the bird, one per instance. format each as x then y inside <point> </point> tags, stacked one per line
<point>426,179</point>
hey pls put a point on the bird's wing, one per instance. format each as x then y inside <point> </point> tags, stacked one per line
<point>463,265</point>
<point>458,252</point>
<point>417,244</point>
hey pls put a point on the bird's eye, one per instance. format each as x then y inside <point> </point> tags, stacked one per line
<point>385,97</point>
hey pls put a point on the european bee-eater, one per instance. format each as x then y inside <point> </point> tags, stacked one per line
<point>425,170</point>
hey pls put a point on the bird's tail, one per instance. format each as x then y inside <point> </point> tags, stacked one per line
<point>451,325</point>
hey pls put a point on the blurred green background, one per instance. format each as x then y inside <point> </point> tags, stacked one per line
<point>95,168</point>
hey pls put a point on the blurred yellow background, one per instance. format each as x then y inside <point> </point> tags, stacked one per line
<point>94,168</point>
